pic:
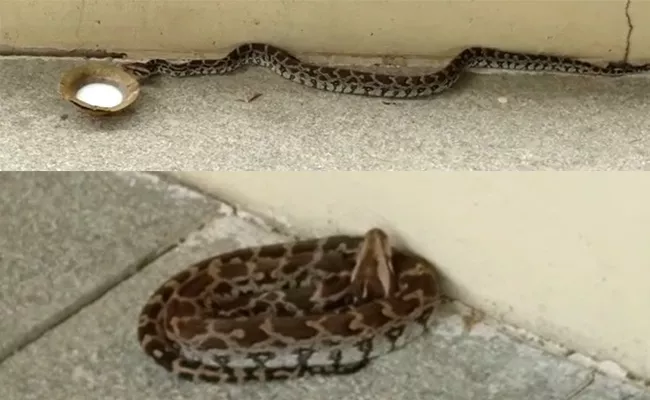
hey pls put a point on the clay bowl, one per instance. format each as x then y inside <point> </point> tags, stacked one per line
<point>99,88</point>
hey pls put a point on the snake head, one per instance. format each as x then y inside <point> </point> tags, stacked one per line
<point>141,70</point>
<point>373,275</point>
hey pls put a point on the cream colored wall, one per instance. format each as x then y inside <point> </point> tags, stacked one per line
<point>564,255</point>
<point>596,29</point>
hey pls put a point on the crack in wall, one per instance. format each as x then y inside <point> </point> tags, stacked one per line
<point>630,28</point>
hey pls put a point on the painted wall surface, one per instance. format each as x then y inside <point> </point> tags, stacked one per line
<point>564,255</point>
<point>597,29</point>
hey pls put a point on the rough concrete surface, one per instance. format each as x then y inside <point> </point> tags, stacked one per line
<point>66,236</point>
<point>488,122</point>
<point>94,353</point>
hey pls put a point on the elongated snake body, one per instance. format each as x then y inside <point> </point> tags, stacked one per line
<point>350,81</point>
<point>319,306</point>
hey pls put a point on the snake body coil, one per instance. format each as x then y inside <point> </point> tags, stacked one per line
<point>319,306</point>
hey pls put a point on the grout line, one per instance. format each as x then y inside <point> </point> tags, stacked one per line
<point>584,385</point>
<point>86,299</point>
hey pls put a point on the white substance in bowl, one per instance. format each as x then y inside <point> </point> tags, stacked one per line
<point>100,95</point>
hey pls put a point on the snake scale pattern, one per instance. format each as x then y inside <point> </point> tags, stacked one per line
<point>350,81</point>
<point>319,306</point>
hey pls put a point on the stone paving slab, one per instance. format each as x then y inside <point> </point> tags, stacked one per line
<point>68,237</point>
<point>489,122</point>
<point>94,354</point>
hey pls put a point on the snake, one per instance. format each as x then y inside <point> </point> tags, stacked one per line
<point>320,306</point>
<point>351,81</point>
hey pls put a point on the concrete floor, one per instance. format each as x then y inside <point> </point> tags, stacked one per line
<point>493,121</point>
<point>81,252</point>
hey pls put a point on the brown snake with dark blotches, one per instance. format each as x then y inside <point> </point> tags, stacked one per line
<point>350,81</point>
<point>318,306</point>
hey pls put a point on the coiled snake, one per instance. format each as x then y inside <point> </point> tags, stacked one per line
<point>318,306</point>
<point>349,81</point>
